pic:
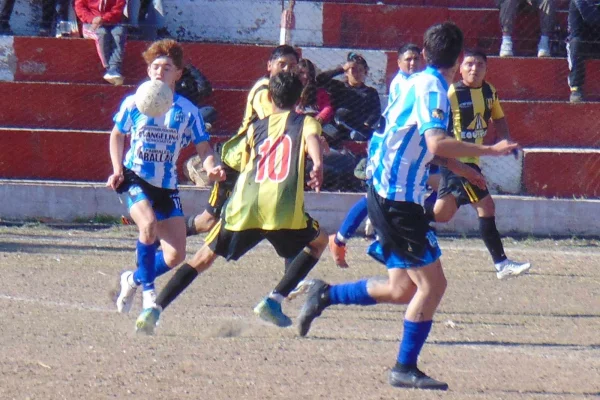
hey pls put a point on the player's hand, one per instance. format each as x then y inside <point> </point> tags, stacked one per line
<point>503,147</point>
<point>474,177</point>
<point>316,178</point>
<point>115,180</point>
<point>217,174</point>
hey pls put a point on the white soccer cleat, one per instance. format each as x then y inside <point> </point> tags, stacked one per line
<point>127,293</point>
<point>509,268</point>
<point>506,48</point>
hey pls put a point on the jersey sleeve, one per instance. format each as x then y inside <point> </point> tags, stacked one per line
<point>261,104</point>
<point>311,127</point>
<point>122,118</point>
<point>196,128</point>
<point>497,112</point>
<point>432,107</point>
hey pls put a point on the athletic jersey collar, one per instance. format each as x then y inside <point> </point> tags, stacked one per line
<point>404,74</point>
<point>432,71</point>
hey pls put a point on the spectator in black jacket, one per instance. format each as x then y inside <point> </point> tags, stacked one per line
<point>357,105</point>
<point>584,38</point>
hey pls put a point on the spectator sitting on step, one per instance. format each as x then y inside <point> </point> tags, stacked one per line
<point>102,22</point>
<point>357,105</point>
<point>584,31</point>
<point>508,13</point>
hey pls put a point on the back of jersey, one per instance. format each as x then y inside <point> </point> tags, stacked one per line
<point>399,156</point>
<point>269,193</point>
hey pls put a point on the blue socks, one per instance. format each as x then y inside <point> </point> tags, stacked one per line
<point>414,337</point>
<point>351,293</point>
<point>146,273</point>
<point>354,218</point>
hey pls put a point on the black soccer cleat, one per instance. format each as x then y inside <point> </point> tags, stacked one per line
<point>414,378</point>
<point>316,301</point>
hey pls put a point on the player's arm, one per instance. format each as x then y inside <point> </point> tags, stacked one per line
<point>461,169</point>
<point>210,162</point>
<point>312,133</point>
<point>116,146</point>
<point>440,144</point>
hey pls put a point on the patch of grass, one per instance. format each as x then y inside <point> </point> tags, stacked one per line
<point>98,219</point>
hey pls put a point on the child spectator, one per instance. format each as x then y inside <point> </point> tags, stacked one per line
<point>102,21</point>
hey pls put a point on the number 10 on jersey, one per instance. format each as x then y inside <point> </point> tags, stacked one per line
<point>275,157</point>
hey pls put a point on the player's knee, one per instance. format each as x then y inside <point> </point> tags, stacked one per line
<point>148,230</point>
<point>319,245</point>
<point>204,222</point>
<point>174,257</point>
<point>443,216</point>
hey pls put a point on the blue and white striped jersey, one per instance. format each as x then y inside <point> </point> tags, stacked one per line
<point>395,85</point>
<point>398,158</point>
<point>157,142</point>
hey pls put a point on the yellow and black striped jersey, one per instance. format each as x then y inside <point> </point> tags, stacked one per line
<point>258,106</point>
<point>472,109</point>
<point>269,193</point>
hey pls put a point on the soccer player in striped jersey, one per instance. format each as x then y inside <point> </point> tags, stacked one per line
<point>148,174</point>
<point>416,132</point>
<point>258,106</point>
<point>474,103</point>
<point>267,202</point>
<point>409,62</point>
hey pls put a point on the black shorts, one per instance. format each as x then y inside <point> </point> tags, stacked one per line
<point>287,242</point>
<point>460,188</point>
<point>221,191</point>
<point>404,237</point>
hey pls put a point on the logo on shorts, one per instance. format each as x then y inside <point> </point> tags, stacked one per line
<point>135,190</point>
<point>437,114</point>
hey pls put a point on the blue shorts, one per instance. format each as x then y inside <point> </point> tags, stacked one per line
<point>404,237</point>
<point>162,209</point>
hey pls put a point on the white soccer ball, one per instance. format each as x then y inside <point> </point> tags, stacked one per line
<point>154,98</point>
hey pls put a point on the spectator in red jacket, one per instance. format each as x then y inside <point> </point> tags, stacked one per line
<point>102,21</point>
<point>313,101</point>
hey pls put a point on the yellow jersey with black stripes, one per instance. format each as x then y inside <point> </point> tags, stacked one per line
<point>472,109</point>
<point>258,106</point>
<point>269,193</point>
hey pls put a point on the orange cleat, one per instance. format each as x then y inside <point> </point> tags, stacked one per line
<point>338,253</point>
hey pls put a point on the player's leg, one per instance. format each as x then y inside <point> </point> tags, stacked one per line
<point>337,243</point>
<point>505,268</point>
<point>200,223</point>
<point>302,249</point>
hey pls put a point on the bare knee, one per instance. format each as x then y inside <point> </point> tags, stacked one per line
<point>174,257</point>
<point>148,231</point>
<point>402,294</point>
<point>318,245</point>
<point>204,222</point>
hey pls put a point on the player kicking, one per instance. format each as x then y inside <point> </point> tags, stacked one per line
<point>148,174</point>
<point>416,124</point>
<point>474,103</point>
<point>258,106</point>
<point>267,202</point>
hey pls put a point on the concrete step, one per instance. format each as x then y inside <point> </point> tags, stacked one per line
<point>90,106</point>
<point>386,27</point>
<point>560,4</point>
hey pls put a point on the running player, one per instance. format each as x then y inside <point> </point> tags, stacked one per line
<point>267,202</point>
<point>258,106</point>
<point>409,62</point>
<point>149,177</point>
<point>416,125</point>
<point>474,103</point>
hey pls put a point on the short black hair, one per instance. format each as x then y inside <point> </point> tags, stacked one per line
<point>283,50</point>
<point>443,44</point>
<point>285,89</point>
<point>475,53</point>
<point>408,47</point>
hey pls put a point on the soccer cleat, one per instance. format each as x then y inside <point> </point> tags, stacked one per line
<point>414,378</point>
<point>302,287</point>
<point>369,229</point>
<point>509,268</point>
<point>337,252</point>
<point>269,310</point>
<point>114,78</point>
<point>127,293</point>
<point>317,300</point>
<point>506,48</point>
<point>147,321</point>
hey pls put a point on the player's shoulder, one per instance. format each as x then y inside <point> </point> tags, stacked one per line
<point>262,83</point>
<point>129,102</point>
<point>185,104</point>
<point>489,86</point>
<point>426,82</point>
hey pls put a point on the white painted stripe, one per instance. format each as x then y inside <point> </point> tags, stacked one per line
<point>561,150</point>
<point>58,304</point>
<point>8,60</point>
<point>53,130</point>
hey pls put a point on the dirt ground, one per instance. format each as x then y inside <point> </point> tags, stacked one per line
<point>535,337</point>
